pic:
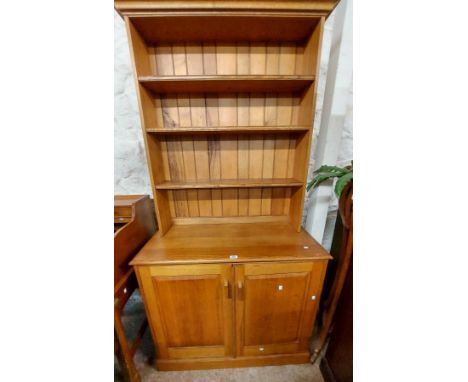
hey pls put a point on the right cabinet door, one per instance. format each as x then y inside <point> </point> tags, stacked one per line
<point>276,304</point>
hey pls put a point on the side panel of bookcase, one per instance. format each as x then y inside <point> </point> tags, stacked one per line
<point>138,52</point>
<point>306,117</point>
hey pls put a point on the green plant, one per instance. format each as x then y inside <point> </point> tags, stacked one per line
<point>344,175</point>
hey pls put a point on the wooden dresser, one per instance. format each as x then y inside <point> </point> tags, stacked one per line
<point>227,97</point>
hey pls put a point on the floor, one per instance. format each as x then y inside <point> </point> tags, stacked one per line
<point>134,314</point>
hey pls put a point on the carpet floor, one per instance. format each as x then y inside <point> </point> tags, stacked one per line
<point>134,314</point>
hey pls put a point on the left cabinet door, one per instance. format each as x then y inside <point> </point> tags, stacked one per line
<point>190,309</point>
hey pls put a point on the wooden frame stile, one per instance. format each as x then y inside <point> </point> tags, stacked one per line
<point>147,118</point>
<point>311,310</point>
<point>311,59</point>
<point>144,280</point>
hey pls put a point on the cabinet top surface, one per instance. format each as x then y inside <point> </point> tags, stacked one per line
<point>217,243</point>
<point>138,6</point>
<point>127,200</point>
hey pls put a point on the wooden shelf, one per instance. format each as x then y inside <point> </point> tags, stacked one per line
<point>227,96</point>
<point>225,84</point>
<point>231,28</point>
<point>228,129</point>
<point>234,183</point>
<point>251,242</point>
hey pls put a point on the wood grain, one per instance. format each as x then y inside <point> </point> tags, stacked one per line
<point>245,79</point>
<point>208,243</point>
<point>229,28</point>
<point>223,83</point>
<point>227,102</point>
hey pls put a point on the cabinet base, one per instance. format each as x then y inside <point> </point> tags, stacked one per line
<point>223,363</point>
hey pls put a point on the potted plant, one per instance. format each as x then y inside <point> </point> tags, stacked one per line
<point>344,175</point>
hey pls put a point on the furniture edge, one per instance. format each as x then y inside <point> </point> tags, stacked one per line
<point>144,263</point>
<point>228,362</point>
<point>138,7</point>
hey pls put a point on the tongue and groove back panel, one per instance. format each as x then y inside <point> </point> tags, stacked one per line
<point>227,111</point>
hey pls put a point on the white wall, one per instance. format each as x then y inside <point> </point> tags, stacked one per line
<point>130,168</point>
<point>333,126</point>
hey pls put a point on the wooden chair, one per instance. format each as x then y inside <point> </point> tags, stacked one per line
<point>134,225</point>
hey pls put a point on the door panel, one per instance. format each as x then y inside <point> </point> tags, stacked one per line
<point>275,306</point>
<point>191,309</point>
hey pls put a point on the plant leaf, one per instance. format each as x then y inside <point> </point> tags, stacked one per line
<point>342,182</point>
<point>330,174</point>
<point>319,179</point>
<point>334,169</point>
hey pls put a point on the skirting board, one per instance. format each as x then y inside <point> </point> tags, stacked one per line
<point>223,363</point>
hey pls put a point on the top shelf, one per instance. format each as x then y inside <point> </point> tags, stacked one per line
<point>224,28</point>
<point>225,84</point>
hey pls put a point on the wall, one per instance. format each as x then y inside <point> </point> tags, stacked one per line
<point>130,169</point>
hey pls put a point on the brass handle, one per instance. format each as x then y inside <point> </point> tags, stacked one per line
<point>226,285</point>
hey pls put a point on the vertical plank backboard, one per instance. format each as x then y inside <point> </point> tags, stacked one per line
<point>164,63</point>
<point>287,64</point>
<point>214,162</point>
<point>272,59</point>
<point>256,117</point>
<point>243,119</point>
<point>226,59</point>
<point>228,152</point>
<point>180,59</point>
<point>233,155</point>
<point>227,105</point>
<point>200,146</point>
<point>243,59</point>
<point>194,59</point>
<point>258,58</point>
<point>268,162</point>
<point>188,153</point>
<point>209,59</point>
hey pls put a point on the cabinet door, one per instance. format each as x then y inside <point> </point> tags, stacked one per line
<point>275,306</point>
<point>190,309</point>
